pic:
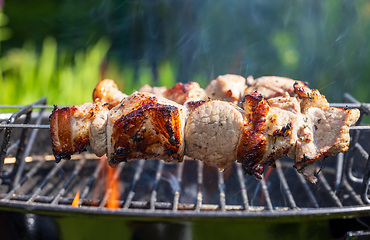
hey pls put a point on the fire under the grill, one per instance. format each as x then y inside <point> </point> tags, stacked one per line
<point>32,183</point>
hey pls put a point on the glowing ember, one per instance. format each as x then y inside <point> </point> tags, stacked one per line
<point>113,187</point>
<point>76,199</point>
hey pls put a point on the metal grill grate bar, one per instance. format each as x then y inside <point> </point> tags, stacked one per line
<point>75,172</point>
<point>285,185</point>
<point>25,110</point>
<point>91,181</point>
<point>221,188</point>
<point>328,189</point>
<point>46,179</point>
<point>352,192</point>
<point>153,196</point>
<point>362,151</point>
<point>364,155</point>
<point>307,189</point>
<point>365,183</point>
<point>36,105</point>
<point>176,196</point>
<point>199,186</point>
<point>138,171</point>
<point>25,126</point>
<point>131,194</point>
<point>28,175</point>
<point>339,172</point>
<point>266,193</point>
<point>242,186</point>
<point>28,148</point>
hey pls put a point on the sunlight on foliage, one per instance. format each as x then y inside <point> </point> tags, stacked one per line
<point>64,78</point>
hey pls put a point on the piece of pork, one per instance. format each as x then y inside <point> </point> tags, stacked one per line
<point>228,87</point>
<point>107,91</point>
<point>158,91</point>
<point>182,92</point>
<point>284,127</point>
<point>144,126</point>
<point>70,129</point>
<point>212,133</point>
<point>272,86</point>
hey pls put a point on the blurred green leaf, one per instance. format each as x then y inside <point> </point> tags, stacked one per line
<point>28,76</point>
<point>5,33</point>
<point>4,20</point>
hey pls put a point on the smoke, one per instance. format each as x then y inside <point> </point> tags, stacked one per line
<point>172,181</point>
<point>314,41</point>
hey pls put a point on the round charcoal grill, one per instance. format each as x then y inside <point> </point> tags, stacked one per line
<point>187,200</point>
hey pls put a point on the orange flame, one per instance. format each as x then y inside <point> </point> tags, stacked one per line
<point>76,199</point>
<point>112,185</point>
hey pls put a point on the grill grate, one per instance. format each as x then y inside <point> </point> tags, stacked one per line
<point>152,187</point>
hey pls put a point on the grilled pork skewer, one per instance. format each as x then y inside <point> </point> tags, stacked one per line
<point>143,125</point>
<point>227,88</point>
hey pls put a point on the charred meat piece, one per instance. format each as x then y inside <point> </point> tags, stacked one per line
<point>70,129</point>
<point>281,127</point>
<point>144,126</point>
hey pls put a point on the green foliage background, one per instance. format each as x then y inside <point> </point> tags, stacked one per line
<point>61,49</point>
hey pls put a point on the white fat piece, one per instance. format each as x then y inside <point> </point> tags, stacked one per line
<point>98,136</point>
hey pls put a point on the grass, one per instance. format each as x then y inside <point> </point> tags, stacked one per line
<point>60,76</point>
<point>67,78</point>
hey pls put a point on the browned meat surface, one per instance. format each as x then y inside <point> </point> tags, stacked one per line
<point>107,91</point>
<point>287,126</point>
<point>183,92</point>
<point>271,86</point>
<point>70,128</point>
<point>227,88</point>
<point>144,126</point>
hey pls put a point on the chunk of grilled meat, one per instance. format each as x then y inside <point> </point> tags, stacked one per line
<point>107,91</point>
<point>303,128</point>
<point>227,88</point>
<point>70,129</point>
<point>287,126</point>
<point>182,92</point>
<point>272,86</point>
<point>212,133</point>
<point>158,91</point>
<point>145,126</point>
